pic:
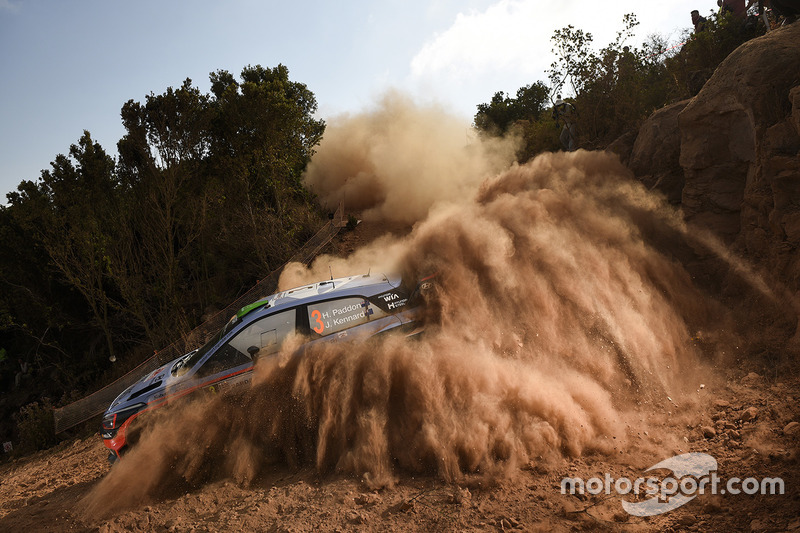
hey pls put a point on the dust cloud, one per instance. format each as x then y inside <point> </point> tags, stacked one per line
<point>555,322</point>
<point>395,162</point>
<point>556,327</point>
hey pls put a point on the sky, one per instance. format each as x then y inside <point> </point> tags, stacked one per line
<point>69,65</point>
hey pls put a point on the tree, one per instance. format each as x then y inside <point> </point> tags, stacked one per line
<point>503,112</point>
<point>29,318</point>
<point>575,63</point>
<point>161,166</point>
<point>67,211</point>
<point>99,258</point>
<point>704,51</point>
<point>263,136</point>
<point>612,90</point>
<point>212,191</point>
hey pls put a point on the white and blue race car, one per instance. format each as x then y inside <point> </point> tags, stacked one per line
<point>355,307</point>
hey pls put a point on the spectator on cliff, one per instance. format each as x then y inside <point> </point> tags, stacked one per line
<point>737,7</point>
<point>698,21</point>
<point>564,112</point>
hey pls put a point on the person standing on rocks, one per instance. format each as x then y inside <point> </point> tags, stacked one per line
<point>565,112</point>
<point>698,21</point>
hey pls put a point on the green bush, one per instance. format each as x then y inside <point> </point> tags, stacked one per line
<point>614,89</point>
<point>704,51</point>
<point>539,136</point>
<point>35,426</point>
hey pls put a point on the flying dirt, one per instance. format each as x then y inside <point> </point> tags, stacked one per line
<point>557,327</point>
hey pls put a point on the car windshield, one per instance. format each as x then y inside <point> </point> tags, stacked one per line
<point>192,358</point>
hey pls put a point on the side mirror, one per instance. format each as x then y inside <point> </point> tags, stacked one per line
<point>253,350</point>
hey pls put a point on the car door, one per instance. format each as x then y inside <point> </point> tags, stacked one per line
<point>352,316</point>
<point>262,337</point>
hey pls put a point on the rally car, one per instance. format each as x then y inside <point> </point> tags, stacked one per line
<point>328,311</point>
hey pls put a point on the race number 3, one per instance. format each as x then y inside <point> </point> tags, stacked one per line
<point>317,316</point>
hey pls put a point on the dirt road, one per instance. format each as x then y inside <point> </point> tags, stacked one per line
<point>746,424</point>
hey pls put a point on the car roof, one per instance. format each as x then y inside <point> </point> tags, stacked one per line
<point>323,290</point>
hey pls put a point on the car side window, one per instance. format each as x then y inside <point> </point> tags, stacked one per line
<point>225,358</point>
<point>262,337</point>
<point>325,318</point>
<point>265,335</point>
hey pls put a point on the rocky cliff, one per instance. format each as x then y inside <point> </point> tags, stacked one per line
<point>730,156</point>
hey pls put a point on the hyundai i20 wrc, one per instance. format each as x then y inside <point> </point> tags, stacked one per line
<point>329,311</point>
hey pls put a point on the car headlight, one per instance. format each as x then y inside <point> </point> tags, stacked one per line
<point>113,421</point>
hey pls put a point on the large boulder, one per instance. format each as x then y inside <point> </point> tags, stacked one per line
<point>656,152</point>
<point>739,144</point>
<point>731,154</point>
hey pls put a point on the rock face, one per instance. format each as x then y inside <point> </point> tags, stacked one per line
<point>736,149</point>
<point>656,152</point>
<point>739,147</point>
